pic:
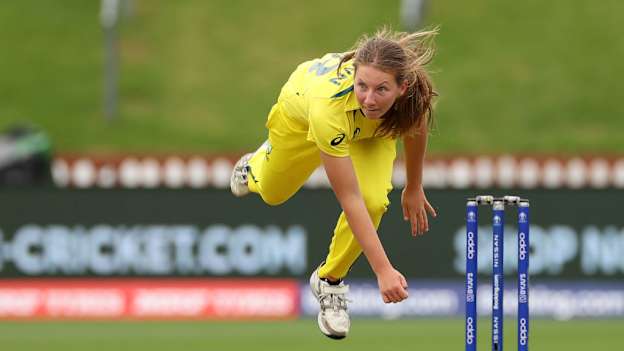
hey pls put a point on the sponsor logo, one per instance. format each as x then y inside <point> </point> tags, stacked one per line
<point>470,296</point>
<point>522,217</point>
<point>470,331</point>
<point>162,298</point>
<point>522,246</point>
<point>356,132</point>
<point>337,140</point>
<point>496,254</point>
<point>524,332</point>
<point>523,298</point>
<point>156,250</point>
<point>471,246</point>
<point>497,220</point>
<point>497,292</point>
<point>495,330</point>
<point>471,216</point>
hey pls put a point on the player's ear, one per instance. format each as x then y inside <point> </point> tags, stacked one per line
<point>403,87</point>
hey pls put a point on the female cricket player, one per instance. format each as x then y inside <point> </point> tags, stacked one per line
<point>345,111</point>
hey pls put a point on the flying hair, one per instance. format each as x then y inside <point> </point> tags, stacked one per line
<point>404,55</point>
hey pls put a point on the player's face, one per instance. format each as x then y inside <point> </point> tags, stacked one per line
<point>376,90</point>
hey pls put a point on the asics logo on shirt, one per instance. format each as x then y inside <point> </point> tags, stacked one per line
<point>337,140</point>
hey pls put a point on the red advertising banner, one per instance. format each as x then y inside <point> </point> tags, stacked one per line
<point>149,299</point>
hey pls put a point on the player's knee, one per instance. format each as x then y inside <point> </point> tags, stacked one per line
<point>274,200</point>
<point>376,203</point>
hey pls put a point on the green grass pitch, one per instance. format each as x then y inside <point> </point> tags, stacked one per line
<point>372,334</point>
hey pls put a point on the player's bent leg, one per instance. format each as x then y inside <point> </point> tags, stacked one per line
<point>282,164</point>
<point>333,317</point>
<point>277,172</point>
<point>344,248</point>
<point>373,162</point>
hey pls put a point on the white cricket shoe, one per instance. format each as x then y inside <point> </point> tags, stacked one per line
<point>238,180</point>
<point>333,319</point>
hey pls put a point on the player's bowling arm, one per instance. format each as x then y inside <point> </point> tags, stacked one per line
<point>343,181</point>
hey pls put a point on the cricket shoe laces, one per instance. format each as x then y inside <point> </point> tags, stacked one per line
<point>333,318</point>
<point>239,178</point>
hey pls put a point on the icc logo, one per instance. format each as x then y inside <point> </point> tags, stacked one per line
<point>497,220</point>
<point>522,217</point>
<point>471,216</point>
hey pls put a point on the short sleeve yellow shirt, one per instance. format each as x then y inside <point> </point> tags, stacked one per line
<point>323,99</point>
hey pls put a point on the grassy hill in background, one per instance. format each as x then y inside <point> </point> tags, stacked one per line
<point>530,76</point>
<point>200,76</point>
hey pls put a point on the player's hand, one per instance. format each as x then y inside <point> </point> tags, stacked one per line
<point>415,208</point>
<point>392,286</point>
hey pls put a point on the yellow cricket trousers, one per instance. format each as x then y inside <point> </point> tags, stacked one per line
<point>282,165</point>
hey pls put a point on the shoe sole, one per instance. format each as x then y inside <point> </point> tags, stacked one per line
<point>325,331</point>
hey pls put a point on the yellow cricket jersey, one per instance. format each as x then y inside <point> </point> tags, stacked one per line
<point>323,100</point>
